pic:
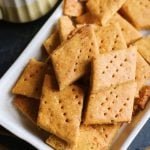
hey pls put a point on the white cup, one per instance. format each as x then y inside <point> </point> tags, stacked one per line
<point>24,10</point>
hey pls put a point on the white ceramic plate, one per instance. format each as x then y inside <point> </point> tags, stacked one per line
<point>18,125</point>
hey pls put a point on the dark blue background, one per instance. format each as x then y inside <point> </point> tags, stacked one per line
<point>13,39</point>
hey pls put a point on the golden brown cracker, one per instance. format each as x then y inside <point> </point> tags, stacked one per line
<point>65,26</point>
<point>108,133</point>
<point>73,8</point>
<point>73,56</point>
<point>58,143</point>
<point>109,38</point>
<point>87,18</point>
<point>143,47</point>
<point>111,105</point>
<point>113,68</point>
<point>137,12</point>
<point>94,137</point>
<point>52,42</point>
<point>144,97</point>
<point>90,137</point>
<point>142,72</point>
<point>104,9</point>
<point>31,80</point>
<point>129,32</point>
<point>60,111</point>
<point>28,106</point>
<point>126,28</point>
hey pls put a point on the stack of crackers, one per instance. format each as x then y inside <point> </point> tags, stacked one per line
<point>95,75</point>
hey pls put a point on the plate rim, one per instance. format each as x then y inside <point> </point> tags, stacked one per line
<point>9,126</point>
<point>27,138</point>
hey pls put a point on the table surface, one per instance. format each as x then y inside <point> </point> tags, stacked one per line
<point>13,39</point>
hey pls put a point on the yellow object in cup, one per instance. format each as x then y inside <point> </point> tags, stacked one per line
<point>24,10</point>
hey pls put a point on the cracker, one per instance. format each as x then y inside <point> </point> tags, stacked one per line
<point>142,72</point>
<point>144,97</point>
<point>113,68</point>
<point>107,132</point>
<point>104,9</point>
<point>58,143</point>
<point>126,28</point>
<point>65,26</point>
<point>71,59</point>
<point>109,38</point>
<point>73,8</point>
<point>111,105</point>
<point>31,80</point>
<point>137,12</point>
<point>28,106</point>
<point>90,137</point>
<point>87,18</point>
<point>52,42</point>
<point>129,32</point>
<point>60,111</point>
<point>143,47</point>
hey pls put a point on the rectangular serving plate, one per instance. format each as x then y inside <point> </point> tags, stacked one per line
<point>20,126</point>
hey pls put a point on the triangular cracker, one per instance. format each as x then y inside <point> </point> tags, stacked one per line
<point>113,68</point>
<point>52,42</point>
<point>109,38</point>
<point>65,26</point>
<point>31,80</point>
<point>142,72</point>
<point>137,12</point>
<point>28,106</point>
<point>73,8</point>
<point>91,137</point>
<point>71,58</point>
<point>111,105</point>
<point>129,32</point>
<point>143,47</point>
<point>104,9</point>
<point>60,111</point>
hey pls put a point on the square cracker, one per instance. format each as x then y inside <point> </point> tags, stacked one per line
<point>109,38</point>
<point>87,18</point>
<point>111,105</point>
<point>73,8</point>
<point>126,28</point>
<point>60,111</point>
<point>31,80</point>
<point>65,26</point>
<point>72,57</point>
<point>137,12</point>
<point>58,144</point>
<point>129,32</point>
<point>28,106</point>
<point>96,137</point>
<point>142,72</point>
<point>113,68</point>
<point>104,9</point>
<point>52,42</point>
<point>143,47</point>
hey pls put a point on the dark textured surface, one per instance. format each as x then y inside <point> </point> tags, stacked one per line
<point>13,39</point>
<point>143,139</point>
